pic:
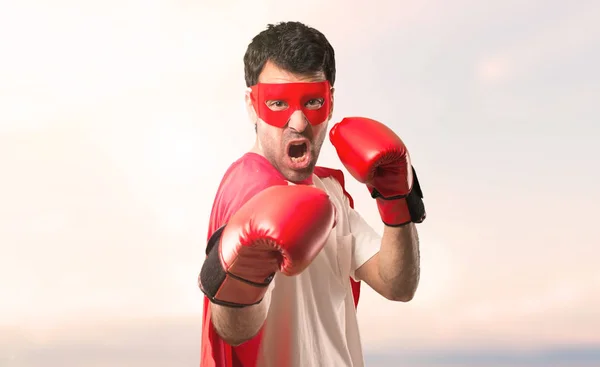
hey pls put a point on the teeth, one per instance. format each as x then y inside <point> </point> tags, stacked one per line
<point>298,159</point>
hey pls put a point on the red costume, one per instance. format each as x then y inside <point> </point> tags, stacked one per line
<point>245,178</point>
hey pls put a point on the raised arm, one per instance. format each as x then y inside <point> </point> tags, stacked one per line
<point>377,157</point>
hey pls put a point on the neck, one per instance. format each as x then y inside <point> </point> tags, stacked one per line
<point>256,148</point>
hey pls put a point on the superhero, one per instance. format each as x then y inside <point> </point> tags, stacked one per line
<point>286,251</point>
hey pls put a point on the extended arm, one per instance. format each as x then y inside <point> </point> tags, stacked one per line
<point>238,325</point>
<point>257,242</point>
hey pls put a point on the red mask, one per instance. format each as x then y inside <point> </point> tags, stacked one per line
<point>296,96</point>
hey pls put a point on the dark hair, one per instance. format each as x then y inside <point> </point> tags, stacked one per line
<point>292,46</point>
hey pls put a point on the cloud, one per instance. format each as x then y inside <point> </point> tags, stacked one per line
<point>561,34</point>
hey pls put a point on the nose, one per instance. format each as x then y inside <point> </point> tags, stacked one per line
<point>298,121</point>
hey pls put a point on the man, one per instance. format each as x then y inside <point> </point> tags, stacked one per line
<point>286,250</point>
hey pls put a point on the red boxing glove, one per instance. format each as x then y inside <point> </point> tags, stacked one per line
<point>282,228</point>
<point>376,156</point>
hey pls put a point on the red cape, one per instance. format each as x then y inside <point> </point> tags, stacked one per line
<point>244,179</point>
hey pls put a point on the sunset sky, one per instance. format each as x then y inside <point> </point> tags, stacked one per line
<point>118,119</point>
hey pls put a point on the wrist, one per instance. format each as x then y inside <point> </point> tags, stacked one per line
<point>226,289</point>
<point>401,210</point>
<point>223,287</point>
<point>394,213</point>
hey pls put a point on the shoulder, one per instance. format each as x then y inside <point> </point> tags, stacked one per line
<point>244,178</point>
<point>334,181</point>
<point>324,172</point>
<point>250,173</point>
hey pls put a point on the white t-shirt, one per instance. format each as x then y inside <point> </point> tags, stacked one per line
<point>312,319</point>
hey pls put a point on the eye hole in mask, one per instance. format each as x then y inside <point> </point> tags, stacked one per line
<point>276,102</point>
<point>279,105</point>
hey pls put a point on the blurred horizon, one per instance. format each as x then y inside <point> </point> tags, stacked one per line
<point>172,340</point>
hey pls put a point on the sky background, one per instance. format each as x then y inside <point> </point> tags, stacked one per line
<point>119,118</point>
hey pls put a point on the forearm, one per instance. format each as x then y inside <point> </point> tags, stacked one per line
<point>399,261</point>
<point>238,325</point>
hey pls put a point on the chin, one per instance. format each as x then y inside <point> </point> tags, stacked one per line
<point>297,175</point>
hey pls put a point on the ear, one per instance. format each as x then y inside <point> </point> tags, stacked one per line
<point>252,116</point>
<point>332,103</point>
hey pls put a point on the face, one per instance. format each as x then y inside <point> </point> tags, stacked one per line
<point>291,113</point>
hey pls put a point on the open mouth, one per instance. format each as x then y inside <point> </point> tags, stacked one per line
<point>297,151</point>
